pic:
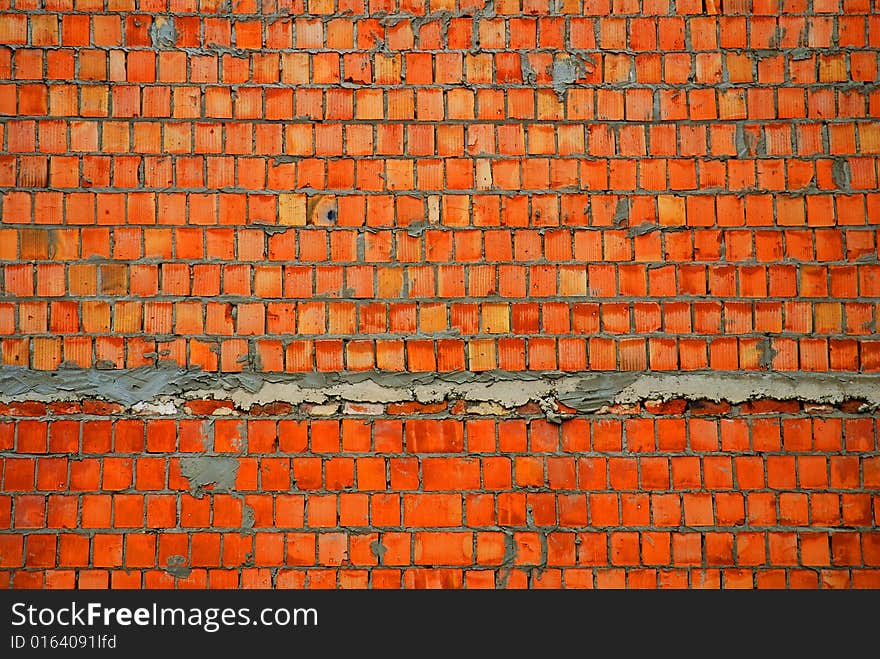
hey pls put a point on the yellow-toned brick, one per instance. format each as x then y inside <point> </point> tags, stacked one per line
<point>496,319</point>
<point>47,353</point>
<point>127,316</point>
<point>572,281</point>
<point>390,282</point>
<point>481,355</point>
<point>292,209</point>
<point>869,137</point>
<point>670,209</point>
<point>386,69</point>
<point>432,317</point>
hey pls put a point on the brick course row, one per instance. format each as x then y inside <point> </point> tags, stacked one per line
<point>767,494</point>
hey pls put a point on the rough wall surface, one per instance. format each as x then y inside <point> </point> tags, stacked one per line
<point>447,494</point>
<point>385,293</point>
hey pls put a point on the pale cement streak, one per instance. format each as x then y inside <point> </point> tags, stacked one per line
<point>269,392</point>
<point>740,387</point>
<point>162,390</point>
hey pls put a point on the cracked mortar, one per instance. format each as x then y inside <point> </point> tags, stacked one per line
<point>165,389</point>
<point>378,550</point>
<point>218,471</point>
<point>841,173</point>
<point>621,212</point>
<point>177,567</point>
<point>565,73</point>
<point>248,518</point>
<point>163,32</point>
<point>529,75</point>
<point>508,560</point>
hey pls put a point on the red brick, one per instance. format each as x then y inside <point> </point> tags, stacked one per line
<point>446,548</point>
<point>425,436</point>
<point>434,510</point>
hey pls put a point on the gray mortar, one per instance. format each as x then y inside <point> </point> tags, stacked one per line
<point>529,76</point>
<point>565,73</point>
<point>163,32</point>
<point>416,229</point>
<point>364,392</point>
<point>550,408</point>
<point>207,435</point>
<point>219,471</point>
<point>268,392</point>
<point>767,353</point>
<point>841,173</point>
<point>508,561</point>
<point>642,229</point>
<point>585,392</point>
<point>738,388</point>
<point>177,567</point>
<point>125,386</point>
<point>509,393</point>
<point>621,212</point>
<point>742,149</point>
<point>247,517</point>
<point>747,144</point>
<point>279,160</point>
<point>594,392</point>
<point>378,550</point>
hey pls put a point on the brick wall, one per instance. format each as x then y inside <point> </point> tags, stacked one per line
<point>672,494</point>
<point>348,190</point>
